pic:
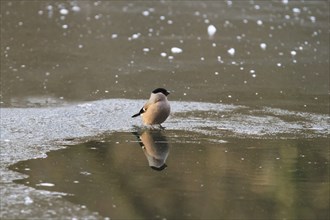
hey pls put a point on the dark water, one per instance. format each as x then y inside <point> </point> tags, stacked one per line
<point>54,52</point>
<point>231,179</point>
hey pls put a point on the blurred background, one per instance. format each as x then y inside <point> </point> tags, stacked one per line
<point>257,53</point>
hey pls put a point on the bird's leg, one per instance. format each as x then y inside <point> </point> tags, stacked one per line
<point>161,127</point>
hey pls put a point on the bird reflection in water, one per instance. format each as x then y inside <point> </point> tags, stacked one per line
<point>155,147</point>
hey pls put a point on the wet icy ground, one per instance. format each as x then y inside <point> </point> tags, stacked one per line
<point>28,133</point>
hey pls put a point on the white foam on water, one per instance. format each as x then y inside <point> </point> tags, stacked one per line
<point>176,50</point>
<point>211,30</point>
<point>146,13</point>
<point>64,11</point>
<point>46,184</point>
<point>293,53</point>
<point>263,46</point>
<point>231,51</point>
<point>259,22</point>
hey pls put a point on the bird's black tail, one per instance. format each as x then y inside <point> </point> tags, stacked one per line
<point>140,112</point>
<point>137,114</point>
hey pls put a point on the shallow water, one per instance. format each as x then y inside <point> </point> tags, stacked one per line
<point>249,131</point>
<point>235,179</point>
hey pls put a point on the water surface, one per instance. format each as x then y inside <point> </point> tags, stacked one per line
<point>231,179</point>
<point>272,53</point>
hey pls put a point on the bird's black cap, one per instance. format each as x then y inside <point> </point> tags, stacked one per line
<point>162,90</point>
